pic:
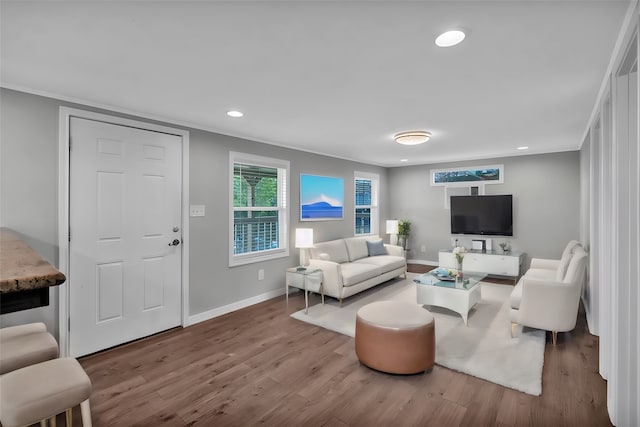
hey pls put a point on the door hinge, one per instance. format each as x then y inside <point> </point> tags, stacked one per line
<point>69,324</point>
<point>69,236</point>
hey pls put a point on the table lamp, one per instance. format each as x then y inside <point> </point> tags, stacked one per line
<point>304,240</point>
<point>392,229</point>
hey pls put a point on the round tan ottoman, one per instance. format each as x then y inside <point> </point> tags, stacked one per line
<point>395,337</point>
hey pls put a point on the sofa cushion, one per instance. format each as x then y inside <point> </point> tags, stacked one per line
<point>566,259</point>
<point>376,247</point>
<point>356,247</point>
<point>355,272</point>
<point>577,266</point>
<point>335,249</point>
<point>516,295</point>
<point>541,273</point>
<point>384,262</point>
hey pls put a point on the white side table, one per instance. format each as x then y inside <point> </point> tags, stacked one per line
<point>309,279</point>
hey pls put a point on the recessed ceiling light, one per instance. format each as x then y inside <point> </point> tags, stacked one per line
<point>234,113</point>
<point>413,137</point>
<point>523,148</point>
<point>450,38</point>
<point>404,160</point>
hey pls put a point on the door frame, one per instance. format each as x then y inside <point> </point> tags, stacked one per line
<point>65,115</point>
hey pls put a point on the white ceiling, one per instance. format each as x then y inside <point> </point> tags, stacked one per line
<point>337,78</point>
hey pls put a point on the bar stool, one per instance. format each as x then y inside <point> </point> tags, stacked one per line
<point>40,392</point>
<point>25,345</point>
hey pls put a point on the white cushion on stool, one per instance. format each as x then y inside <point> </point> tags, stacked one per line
<point>15,331</point>
<point>41,391</point>
<point>20,351</point>
<point>395,314</point>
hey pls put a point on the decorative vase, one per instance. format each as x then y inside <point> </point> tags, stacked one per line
<point>402,241</point>
<point>460,274</point>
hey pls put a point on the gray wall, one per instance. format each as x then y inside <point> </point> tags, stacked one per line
<point>546,203</point>
<point>213,284</point>
<point>546,191</point>
<point>29,202</point>
<point>29,185</point>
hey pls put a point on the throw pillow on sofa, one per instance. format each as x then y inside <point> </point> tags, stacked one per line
<point>376,247</point>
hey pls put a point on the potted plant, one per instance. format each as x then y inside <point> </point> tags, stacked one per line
<point>459,252</point>
<point>404,229</point>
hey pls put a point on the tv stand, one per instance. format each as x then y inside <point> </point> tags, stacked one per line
<point>495,263</point>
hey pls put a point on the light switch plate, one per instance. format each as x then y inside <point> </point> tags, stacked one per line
<point>196,210</point>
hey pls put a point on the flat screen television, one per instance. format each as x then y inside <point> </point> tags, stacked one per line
<point>483,215</point>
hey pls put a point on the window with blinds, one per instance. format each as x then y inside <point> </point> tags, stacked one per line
<point>366,203</point>
<point>259,208</point>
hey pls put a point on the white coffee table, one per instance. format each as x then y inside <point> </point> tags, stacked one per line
<point>458,296</point>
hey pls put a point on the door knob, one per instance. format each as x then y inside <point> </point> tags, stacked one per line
<point>175,242</point>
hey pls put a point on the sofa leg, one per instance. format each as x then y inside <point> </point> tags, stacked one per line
<point>554,337</point>
<point>340,302</point>
<point>513,328</point>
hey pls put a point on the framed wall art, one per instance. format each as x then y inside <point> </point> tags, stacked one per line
<point>321,198</point>
<point>493,174</point>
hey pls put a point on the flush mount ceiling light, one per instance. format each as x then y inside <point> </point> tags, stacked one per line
<point>234,113</point>
<point>523,148</point>
<point>450,38</point>
<point>413,137</point>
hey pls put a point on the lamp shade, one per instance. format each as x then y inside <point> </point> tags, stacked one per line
<point>304,238</point>
<point>392,226</point>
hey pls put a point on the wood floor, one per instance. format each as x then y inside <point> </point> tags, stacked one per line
<point>258,366</point>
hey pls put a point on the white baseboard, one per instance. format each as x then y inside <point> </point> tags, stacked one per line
<point>422,262</point>
<point>210,314</point>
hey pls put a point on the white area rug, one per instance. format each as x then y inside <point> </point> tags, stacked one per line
<point>483,349</point>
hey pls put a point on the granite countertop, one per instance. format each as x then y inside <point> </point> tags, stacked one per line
<point>21,268</point>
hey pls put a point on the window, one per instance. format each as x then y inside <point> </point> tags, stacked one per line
<point>366,203</point>
<point>259,208</point>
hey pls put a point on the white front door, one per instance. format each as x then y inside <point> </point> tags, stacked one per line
<point>125,239</point>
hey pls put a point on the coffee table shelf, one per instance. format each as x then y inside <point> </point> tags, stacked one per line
<point>459,296</point>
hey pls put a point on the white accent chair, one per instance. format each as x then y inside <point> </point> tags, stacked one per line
<point>553,268</point>
<point>548,296</point>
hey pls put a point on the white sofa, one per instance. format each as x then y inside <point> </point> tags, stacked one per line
<point>348,267</point>
<point>548,295</point>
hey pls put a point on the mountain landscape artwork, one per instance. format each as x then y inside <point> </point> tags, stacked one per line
<point>321,198</point>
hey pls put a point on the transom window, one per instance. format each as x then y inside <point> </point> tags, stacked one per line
<point>366,203</point>
<point>259,212</point>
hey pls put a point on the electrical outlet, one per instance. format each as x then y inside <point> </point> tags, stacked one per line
<point>423,248</point>
<point>261,274</point>
<point>196,210</point>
